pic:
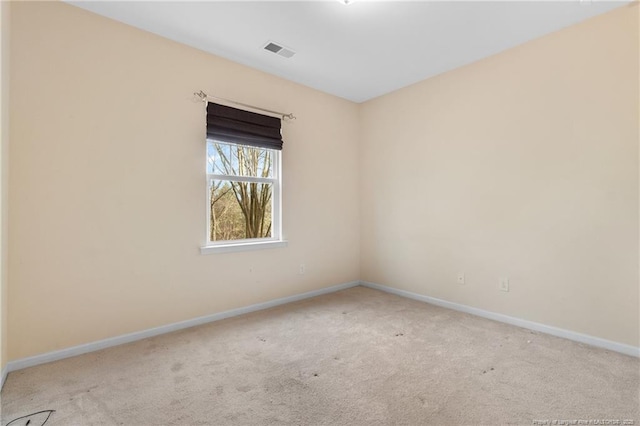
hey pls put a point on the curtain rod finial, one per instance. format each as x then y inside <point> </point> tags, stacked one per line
<point>201,95</point>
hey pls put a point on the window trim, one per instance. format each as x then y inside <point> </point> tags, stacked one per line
<point>276,240</point>
<point>236,247</point>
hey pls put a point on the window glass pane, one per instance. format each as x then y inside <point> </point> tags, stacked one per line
<point>238,160</point>
<point>240,210</point>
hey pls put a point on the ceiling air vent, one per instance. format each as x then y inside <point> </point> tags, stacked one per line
<point>279,50</point>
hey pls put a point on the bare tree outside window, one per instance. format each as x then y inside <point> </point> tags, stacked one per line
<point>241,191</point>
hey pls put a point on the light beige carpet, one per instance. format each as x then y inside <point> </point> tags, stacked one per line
<point>356,357</point>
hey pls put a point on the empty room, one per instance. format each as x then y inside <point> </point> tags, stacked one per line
<point>320,213</point>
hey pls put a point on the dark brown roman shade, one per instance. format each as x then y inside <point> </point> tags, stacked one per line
<point>228,124</point>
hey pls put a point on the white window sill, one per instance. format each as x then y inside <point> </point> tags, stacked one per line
<point>230,248</point>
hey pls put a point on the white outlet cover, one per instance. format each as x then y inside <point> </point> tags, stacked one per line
<point>504,284</point>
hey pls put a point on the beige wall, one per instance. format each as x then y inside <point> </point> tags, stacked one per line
<point>4,161</point>
<point>524,165</point>
<point>108,191</point>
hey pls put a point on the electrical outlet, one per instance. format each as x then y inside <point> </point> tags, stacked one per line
<point>504,284</point>
<point>460,277</point>
<point>302,269</point>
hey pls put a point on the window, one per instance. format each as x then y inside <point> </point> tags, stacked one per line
<point>243,191</point>
<point>243,180</point>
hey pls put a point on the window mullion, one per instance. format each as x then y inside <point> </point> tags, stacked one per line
<point>249,179</point>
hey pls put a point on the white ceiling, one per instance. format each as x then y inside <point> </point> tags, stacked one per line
<point>357,51</point>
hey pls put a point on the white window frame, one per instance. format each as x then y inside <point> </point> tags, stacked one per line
<point>276,211</point>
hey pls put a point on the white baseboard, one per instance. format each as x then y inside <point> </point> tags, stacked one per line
<point>547,329</point>
<point>3,377</point>
<point>139,335</point>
